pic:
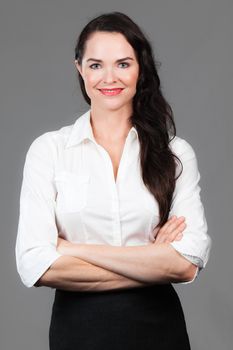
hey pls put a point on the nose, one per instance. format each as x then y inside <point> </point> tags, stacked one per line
<point>109,76</point>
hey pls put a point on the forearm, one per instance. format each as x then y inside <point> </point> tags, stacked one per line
<point>151,263</point>
<point>74,274</point>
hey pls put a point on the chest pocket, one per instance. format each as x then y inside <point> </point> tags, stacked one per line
<point>72,191</point>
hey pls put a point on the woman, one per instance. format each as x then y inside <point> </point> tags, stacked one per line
<point>110,210</point>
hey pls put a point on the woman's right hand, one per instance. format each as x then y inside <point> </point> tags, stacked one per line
<point>171,230</point>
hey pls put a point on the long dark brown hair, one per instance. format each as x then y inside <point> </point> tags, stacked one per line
<point>152,115</point>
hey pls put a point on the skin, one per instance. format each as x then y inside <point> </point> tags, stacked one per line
<point>109,114</point>
<point>87,267</point>
<point>74,274</point>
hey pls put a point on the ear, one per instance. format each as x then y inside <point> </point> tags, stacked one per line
<point>78,66</point>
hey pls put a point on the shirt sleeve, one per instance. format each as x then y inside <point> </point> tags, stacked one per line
<point>195,244</point>
<point>37,234</point>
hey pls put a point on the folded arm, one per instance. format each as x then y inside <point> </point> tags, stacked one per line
<point>74,274</point>
<point>100,267</point>
<point>152,263</point>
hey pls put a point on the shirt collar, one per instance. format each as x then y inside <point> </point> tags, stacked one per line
<point>82,130</point>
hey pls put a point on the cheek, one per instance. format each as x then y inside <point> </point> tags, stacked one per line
<point>91,79</point>
<point>130,78</point>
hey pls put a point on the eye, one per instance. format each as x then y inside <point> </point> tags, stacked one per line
<point>127,64</point>
<point>94,64</point>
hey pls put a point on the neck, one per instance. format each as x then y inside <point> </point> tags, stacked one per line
<point>110,125</point>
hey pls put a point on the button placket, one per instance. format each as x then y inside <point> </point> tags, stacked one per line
<point>113,184</point>
<point>117,240</point>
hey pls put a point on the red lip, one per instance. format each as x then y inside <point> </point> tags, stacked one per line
<point>111,89</point>
<point>112,92</point>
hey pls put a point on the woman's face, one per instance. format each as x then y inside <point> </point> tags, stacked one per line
<point>109,62</point>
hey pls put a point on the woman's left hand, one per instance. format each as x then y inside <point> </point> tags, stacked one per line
<point>171,230</point>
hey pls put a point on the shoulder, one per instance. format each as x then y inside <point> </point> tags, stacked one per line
<point>182,148</point>
<point>44,150</point>
<point>50,140</point>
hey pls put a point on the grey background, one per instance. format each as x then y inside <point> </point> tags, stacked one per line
<point>39,92</point>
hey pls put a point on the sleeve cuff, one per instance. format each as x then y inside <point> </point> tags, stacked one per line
<point>29,280</point>
<point>193,259</point>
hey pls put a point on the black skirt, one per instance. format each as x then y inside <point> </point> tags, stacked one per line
<point>147,318</point>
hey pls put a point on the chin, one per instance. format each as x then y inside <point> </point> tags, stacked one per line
<point>111,105</point>
<point>117,104</point>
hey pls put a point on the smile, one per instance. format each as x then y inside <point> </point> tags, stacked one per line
<point>111,92</point>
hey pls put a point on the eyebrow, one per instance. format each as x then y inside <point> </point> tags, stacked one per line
<point>119,60</point>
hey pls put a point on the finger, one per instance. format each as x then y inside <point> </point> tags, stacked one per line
<point>173,225</point>
<point>173,231</point>
<point>176,232</point>
<point>179,237</point>
<point>167,230</point>
<point>168,223</point>
<point>170,233</point>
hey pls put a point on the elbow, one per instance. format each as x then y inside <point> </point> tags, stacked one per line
<point>35,266</point>
<point>181,269</point>
<point>41,282</point>
<point>38,283</point>
<point>46,279</point>
<point>189,273</point>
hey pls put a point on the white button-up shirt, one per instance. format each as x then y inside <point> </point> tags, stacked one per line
<point>69,189</point>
